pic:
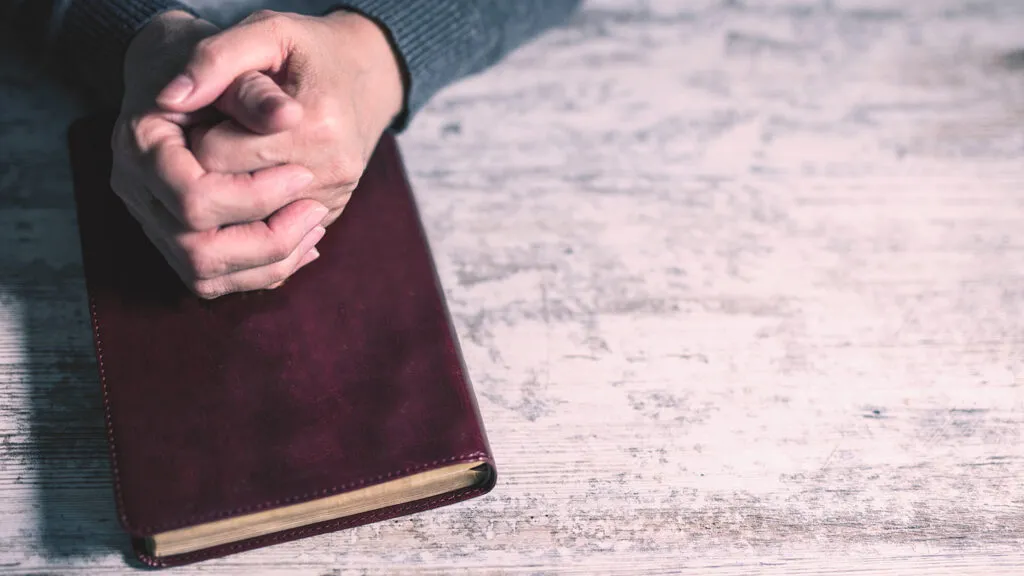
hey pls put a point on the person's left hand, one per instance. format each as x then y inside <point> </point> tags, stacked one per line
<point>341,70</point>
<point>220,232</point>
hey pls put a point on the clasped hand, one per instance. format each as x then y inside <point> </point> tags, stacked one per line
<point>234,149</point>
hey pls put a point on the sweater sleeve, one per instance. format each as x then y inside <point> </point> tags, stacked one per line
<point>437,41</point>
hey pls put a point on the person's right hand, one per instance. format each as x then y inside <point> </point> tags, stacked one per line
<point>221,232</point>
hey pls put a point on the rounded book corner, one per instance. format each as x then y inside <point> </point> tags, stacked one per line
<point>489,478</point>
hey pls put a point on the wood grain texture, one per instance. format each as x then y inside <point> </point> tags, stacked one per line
<point>740,285</point>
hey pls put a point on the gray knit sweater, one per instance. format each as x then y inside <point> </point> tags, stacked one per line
<point>439,41</point>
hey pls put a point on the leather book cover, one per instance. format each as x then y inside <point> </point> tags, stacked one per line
<point>348,376</point>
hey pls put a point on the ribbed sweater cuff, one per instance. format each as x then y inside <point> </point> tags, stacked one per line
<point>438,41</point>
<point>94,36</point>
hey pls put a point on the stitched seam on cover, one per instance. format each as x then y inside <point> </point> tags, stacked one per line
<point>107,414</point>
<point>321,493</point>
<point>296,533</point>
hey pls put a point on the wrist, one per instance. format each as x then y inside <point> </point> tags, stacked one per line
<point>160,26</point>
<point>372,48</point>
<point>172,15</point>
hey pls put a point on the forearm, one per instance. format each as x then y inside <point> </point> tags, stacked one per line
<point>86,39</point>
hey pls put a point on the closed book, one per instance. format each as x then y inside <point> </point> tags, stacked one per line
<point>336,400</point>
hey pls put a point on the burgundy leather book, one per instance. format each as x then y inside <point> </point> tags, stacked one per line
<point>336,400</point>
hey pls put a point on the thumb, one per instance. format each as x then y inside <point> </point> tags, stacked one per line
<point>255,101</point>
<point>257,44</point>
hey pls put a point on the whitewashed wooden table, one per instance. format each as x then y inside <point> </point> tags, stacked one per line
<point>740,285</point>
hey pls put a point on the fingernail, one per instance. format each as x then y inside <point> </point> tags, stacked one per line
<point>177,90</point>
<point>313,254</point>
<point>300,182</point>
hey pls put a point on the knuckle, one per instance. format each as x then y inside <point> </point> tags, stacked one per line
<point>276,23</point>
<point>337,204</point>
<point>326,127</point>
<point>208,53</point>
<point>205,289</point>
<point>263,14</point>
<point>202,265</point>
<point>347,172</point>
<point>194,214</point>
